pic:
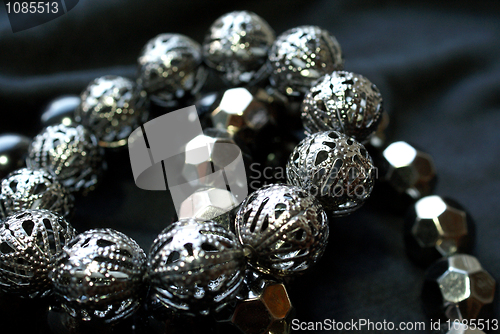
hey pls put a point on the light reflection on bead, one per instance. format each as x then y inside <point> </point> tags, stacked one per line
<point>34,189</point>
<point>458,287</point>
<point>237,45</point>
<point>30,242</point>
<point>285,228</point>
<point>302,55</point>
<point>170,67</point>
<point>334,168</point>
<point>196,266</point>
<point>13,152</point>
<point>99,276</point>
<point>344,102</point>
<point>112,107</point>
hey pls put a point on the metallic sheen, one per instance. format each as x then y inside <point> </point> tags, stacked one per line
<point>13,151</point>
<point>284,228</point>
<point>61,110</point>
<point>112,107</point>
<point>437,227</point>
<point>211,204</point>
<point>263,306</point>
<point>302,55</point>
<point>71,153</point>
<point>458,287</point>
<point>99,276</point>
<point>409,170</point>
<point>30,242</point>
<point>333,167</point>
<point>170,67</point>
<point>344,102</point>
<point>243,108</point>
<point>196,266</point>
<point>34,189</point>
<point>237,45</point>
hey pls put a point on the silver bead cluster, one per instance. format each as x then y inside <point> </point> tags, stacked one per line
<point>112,107</point>
<point>344,102</point>
<point>99,276</point>
<point>71,153</point>
<point>284,227</point>
<point>237,45</point>
<point>34,189</point>
<point>196,266</point>
<point>170,67</point>
<point>30,242</point>
<point>334,168</point>
<point>302,55</point>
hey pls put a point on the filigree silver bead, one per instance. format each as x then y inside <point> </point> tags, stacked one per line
<point>344,102</point>
<point>196,266</point>
<point>99,276</point>
<point>333,167</point>
<point>237,45</point>
<point>170,67</point>
<point>30,242</point>
<point>302,55</point>
<point>285,228</point>
<point>71,153</point>
<point>112,107</point>
<point>34,189</point>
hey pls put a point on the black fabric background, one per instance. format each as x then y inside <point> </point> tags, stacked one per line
<point>437,65</point>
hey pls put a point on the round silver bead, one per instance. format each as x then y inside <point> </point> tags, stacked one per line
<point>196,266</point>
<point>333,167</point>
<point>302,55</point>
<point>99,276</point>
<point>34,189</point>
<point>112,107</point>
<point>30,242</point>
<point>237,45</point>
<point>285,228</point>
<point>71,153</point>
<point>344,102</point>
<point>170,67</point>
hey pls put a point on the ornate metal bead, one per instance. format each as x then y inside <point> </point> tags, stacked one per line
<point>262,306</point>
<point>71,153</point>
<point>344,102</point>
<point>34,189</point>
<point>211,204</point>
<point>409,170</point>
<point>333,167</point>
<point>112,107</point>
<point>196,266</point>
<point>302,55</point>
<point>170,67</point>
<point>458,287</point>
<point>237,45</point>
<point>99,276</point>
<point>30,241</point>
<point>60,111</point>
<point>437,227</point>
<point>212,160</point>
<point>13,148</point>
<point>284,227</point>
